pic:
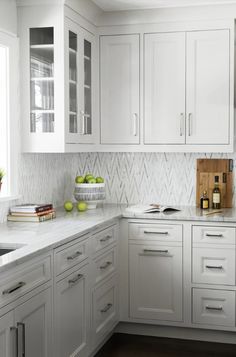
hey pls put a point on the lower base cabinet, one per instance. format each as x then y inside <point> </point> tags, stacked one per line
<point>155,282</point>
<point>72,305</point>
<point>7,345</point>
<point>105,309</point>
<point>214,307</point>
<point>26,330</point>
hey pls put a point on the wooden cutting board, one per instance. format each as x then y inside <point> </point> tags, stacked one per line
<point>207,169</point>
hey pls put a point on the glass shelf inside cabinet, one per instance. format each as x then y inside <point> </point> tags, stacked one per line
<point>87,87</point>
<point>42,115</point>
<point>73,126</point>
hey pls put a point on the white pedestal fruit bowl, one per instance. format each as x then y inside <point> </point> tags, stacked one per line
<point>91,193</point>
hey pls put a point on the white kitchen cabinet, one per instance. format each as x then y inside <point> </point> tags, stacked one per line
<point>213,307</point>
<point>105,314</point>
<point>164,88</point>
<point>57,63</point>
<point>214,265</point>
<point>79,65</point>
<point>33,319</point>
<point>72,305</point>
<point>208,87</point>
<point>187,88</point>
<point>155,276</point>
<point>7,335</point>
<point>119,85</point>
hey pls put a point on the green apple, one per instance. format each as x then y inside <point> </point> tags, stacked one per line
<point>68,205</point>
<point>79,179</point>
<point>100,179</point>
<point>82,206</point>
<point>88,176</point>
<point>92,180</point>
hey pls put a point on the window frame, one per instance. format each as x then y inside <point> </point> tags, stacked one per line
<point>13,125</point>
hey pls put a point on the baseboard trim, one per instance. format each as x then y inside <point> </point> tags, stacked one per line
<point>176,332</point>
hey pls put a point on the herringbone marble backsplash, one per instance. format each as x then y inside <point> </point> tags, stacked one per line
<point>130,177</point>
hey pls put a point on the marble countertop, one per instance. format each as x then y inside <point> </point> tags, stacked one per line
<point>32,239</point>
<point>189,213</point>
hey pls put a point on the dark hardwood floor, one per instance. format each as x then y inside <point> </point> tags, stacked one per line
<point>122,345</point>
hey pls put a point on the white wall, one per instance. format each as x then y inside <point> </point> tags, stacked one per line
<point>192,13</point>
<point>8,16</point>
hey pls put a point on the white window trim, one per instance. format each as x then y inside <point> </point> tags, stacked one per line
<point>14,133</point>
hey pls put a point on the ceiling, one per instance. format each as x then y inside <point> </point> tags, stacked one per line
<point>119,5</point>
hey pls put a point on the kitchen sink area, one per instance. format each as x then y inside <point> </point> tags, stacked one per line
<point>6,248</point>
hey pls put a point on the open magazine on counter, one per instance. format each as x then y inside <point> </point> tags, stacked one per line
<point>152,208</point>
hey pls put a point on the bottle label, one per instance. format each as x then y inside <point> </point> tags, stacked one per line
<point>205,204</point>
<point>216,198</point>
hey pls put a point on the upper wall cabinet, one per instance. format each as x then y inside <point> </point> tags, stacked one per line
<point>57,70</point>
<point>187,89</point>
<point>165,88</point>
<point>119,71</point>
<point>208,87</point>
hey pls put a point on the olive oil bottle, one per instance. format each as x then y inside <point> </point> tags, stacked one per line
<point>216,196</point>
<point>204,201</point>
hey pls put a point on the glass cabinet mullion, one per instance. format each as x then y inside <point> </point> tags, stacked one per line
<point>88,86</point>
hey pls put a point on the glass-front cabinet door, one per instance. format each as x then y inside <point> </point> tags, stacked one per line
<point>79,63</point>
<point>42,114</point>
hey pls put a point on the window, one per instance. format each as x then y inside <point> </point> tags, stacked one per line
<point>9,133</point>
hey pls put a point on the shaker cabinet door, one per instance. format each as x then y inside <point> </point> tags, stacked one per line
<point>164,88</point>
<point>155,282</point>
<point>34,322</point>
<point>72,314</point>
<point>7,335</point>
<point>119,76</point>
<point>208,87</point>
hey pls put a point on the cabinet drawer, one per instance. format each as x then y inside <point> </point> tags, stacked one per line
<point>104,238</point>
<point>70,255</point>
<point>214,266</point>
<point>159,232</point>
<point>218,235</point>
<point>105,265</point>
<point>105,308</point>
<point>214,307</point>
<point>24,279</point>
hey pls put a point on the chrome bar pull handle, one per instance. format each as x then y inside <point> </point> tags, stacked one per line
<point>22,326</point>
<point>15,330</point>
<point>13,288</point>
<point>157,232</point>
<point>83,122</point>
<point>105,266</point>
<point>105,239</point>
<point>75,279</point>
<point>190,124</point>
<point>165,251</point>
<point>216,308</point>
<point>106,308</point>
<point>214,235</point>
<point>220,267</point>
<point>135,124</point>
<point>181,131</point>
<point>74,256</point>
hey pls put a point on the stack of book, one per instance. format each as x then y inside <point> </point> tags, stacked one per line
<point>31,213</point>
